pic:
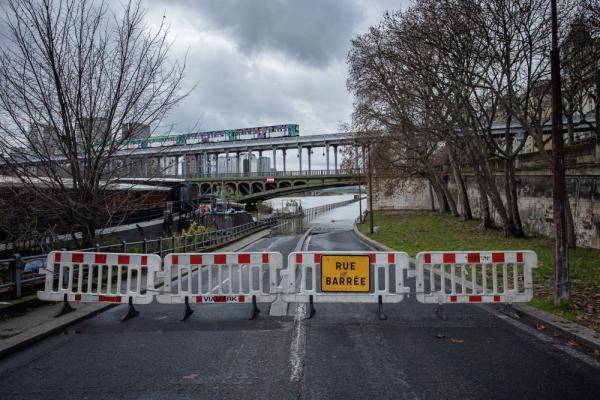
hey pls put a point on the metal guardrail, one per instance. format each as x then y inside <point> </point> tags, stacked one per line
<point>312,212</point>
<point>13,274</point>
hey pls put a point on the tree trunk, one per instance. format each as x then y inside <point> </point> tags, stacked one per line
<point>513,204</point>
<point>451,203</point>
<point>439,194</point>
<point>597,109</point>
<point>492,191</point>
<point>570,128</point>
<point>508,189</point>
<point>486,216</point>
<point>463,198</point>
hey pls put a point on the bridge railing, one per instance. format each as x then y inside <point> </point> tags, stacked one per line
<point>259,175</point>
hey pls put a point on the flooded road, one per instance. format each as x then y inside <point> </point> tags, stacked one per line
<point>337,219</point>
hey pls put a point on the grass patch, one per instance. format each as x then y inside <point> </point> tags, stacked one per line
<point>420,231</point>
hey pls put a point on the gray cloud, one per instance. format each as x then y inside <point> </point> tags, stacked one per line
<point>266,62</point>
<point>313,31</point>
<point>263,62</point>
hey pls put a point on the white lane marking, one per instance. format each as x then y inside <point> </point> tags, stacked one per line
<point>298,346</point>
<point>307,243</point>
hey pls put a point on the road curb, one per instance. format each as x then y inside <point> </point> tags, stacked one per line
<point>554,323</point>
<point>559,325</point>
<point>21,340</point>
<point>372,242</point>
<point>17,342</point>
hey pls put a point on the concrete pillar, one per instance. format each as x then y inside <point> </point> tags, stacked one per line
<point>216,155</point>
<point>327,155</point>
<point>274,159</point>
<point>362,148</point>
<point>204,164</point>
<point>259,165</point>
<point>335,155</point>
<point>239,162</point>
<point>227,163</point>
<point>309,150</point>
<point>299,158</point>
<point>249,154</point>
<point>284,158</point>
<point>145,166</point>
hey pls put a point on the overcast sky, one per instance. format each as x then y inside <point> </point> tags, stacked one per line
<point>265,62</point>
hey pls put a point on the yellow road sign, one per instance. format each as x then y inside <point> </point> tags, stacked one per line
<point>345,273</point>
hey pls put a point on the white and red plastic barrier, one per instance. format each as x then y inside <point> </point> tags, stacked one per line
<point>475,276</point>
<point>220,278</point>
<point>100,277</point>
<point>259,277</point>
<point>387,271</point>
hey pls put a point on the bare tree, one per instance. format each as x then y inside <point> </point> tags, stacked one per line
<point>77,82</point>
<point>387,102</point>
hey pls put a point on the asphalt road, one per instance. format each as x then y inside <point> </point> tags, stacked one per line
<point>344,352</point>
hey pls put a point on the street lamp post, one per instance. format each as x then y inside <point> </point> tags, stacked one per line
<point>358,176</point>
<point>562,288</point>
<point>370,189</point>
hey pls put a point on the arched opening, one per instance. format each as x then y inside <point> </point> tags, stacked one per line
<point>230,188</point>
<point>244,188</point>
<point>257,187</point>
<point>205,188</point>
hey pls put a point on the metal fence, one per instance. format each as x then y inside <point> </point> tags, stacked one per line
<point>18,272</point>
<point>312,212</point>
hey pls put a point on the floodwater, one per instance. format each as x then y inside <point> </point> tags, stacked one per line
<point>338,218</point>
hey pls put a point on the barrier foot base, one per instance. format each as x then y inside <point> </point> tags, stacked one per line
<point>131,312</point>
<point>509,310</point>
<point>311,308</point>
<point>66,308</point>
<point>188,310</point>
<point>255,310</point>
<point>380,312</point>
<point>439,311</point>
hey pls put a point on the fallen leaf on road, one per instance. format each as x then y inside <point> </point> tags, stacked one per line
<point>191,376</point>
<point>573,343</point>
<point>454,340</point>
<point>596,353</point>
<point>540,327</point>
<point>440,336</point>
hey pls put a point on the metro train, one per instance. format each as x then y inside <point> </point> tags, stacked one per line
<point>230,135</point>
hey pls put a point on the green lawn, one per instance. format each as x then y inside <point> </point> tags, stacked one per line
<point>413,232</point>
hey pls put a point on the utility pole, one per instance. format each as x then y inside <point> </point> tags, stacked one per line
<point>370,189</point>
<point>562,288</point>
